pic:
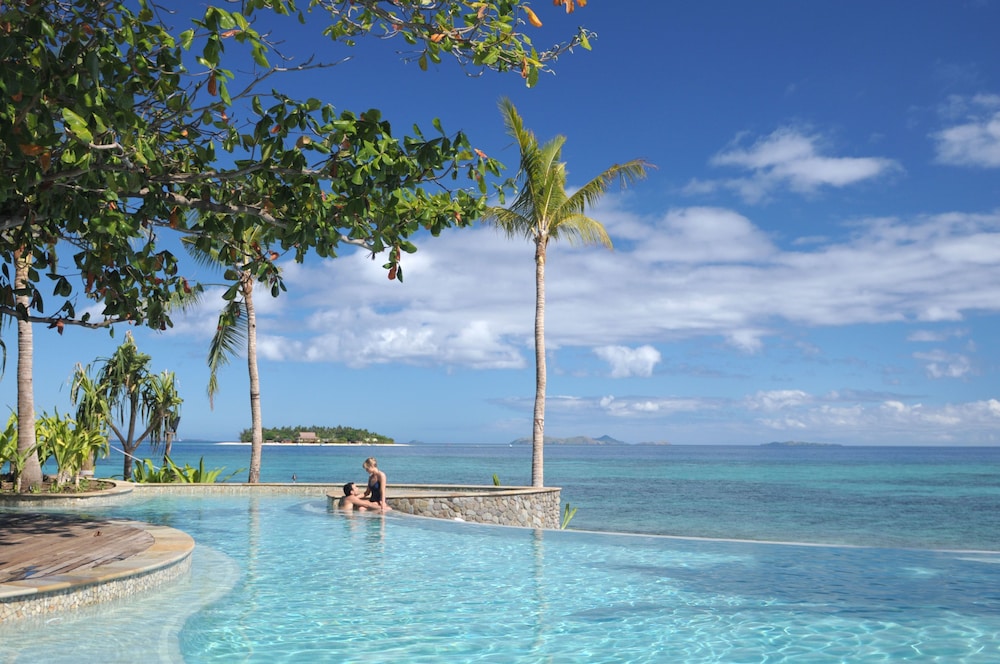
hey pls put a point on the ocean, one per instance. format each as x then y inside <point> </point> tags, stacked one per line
<point>902,497</point>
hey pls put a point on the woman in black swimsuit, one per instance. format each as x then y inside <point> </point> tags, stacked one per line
<point>377,485</point>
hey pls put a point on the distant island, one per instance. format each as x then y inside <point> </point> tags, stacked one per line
<point>799,443</point>
<point>574,440</point>
<point>319,435</point>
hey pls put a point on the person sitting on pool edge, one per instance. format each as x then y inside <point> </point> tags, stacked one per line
<point>351,500</point>
<point>377,484</point>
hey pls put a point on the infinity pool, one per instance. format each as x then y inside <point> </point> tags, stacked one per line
<point>282,579</point>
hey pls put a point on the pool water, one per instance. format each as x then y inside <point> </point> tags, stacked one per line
<point>283,579</point>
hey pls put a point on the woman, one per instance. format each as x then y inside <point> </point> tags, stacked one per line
<point>377,484</point>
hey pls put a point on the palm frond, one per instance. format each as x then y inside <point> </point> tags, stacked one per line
<point>625,174</point>
<point>230,337</point>
<point>509,221</point>
<point>581,229</point>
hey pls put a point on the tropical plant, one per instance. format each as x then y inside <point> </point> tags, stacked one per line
<point>146,472</point>
<point>8,442</point>
<point>544,211</point>
<point>12,454</point>
<point>496,480</point>
<point>92,409</point>
<point>133,402</point>
<point>71,445</point>
<point>567,516</point>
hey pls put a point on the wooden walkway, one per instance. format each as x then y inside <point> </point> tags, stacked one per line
<point>36,545</point>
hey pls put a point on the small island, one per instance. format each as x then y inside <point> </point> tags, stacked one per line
<point>574,440</point>
<point>338,435</point>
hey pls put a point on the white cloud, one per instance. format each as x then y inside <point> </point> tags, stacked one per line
<point>777,399</point>
<point>976,140</point>
<point>704,235</point>
<point>625,407</point>
<point>627,362</point>
<point>935,336</point>
<point>941,364</point>
<point>789,158</point>
<point>839,417</point>
<point>468,298</point>
<point>892,421</point>
<point>748,341</point>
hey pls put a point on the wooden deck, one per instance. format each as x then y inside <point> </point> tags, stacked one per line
<point>36,545</point>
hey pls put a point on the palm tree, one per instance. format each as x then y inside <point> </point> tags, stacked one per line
<point>31,475</point>
<point>543,211</point>
<point>237,324</point>
<point>92,409</point>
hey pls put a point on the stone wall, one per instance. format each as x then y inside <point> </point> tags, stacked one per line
<point>525,507</point>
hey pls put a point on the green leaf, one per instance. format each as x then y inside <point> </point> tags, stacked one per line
<point>77,125</point>
<point>532,76</point>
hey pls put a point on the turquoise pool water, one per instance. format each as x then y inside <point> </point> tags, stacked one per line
<point>286,580</point>
<point>931,498</point>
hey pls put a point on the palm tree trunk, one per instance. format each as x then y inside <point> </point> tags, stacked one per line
<point>256,421</point>
<point>538,428</point>
<point>31,475</point>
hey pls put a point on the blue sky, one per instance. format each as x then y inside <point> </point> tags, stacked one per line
<point>816,257</point>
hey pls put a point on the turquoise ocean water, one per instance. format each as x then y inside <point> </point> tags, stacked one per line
<point>924,497</point>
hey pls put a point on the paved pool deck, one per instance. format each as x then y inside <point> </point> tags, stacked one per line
<point>51,562</point>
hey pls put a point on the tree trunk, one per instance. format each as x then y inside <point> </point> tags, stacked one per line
<point>256,422</point>
<point>129,443</point>
<point>538,425</point>
<point>31,475</point>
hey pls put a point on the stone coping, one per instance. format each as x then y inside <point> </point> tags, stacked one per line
<point>166,558</point>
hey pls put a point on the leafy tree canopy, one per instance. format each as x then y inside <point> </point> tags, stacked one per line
<point>116,129</point>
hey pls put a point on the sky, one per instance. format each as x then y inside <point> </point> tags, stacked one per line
<point>816,256</point>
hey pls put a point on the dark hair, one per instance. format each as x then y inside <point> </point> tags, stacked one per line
<point>348,488</point>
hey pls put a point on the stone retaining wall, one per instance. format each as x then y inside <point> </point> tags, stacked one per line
<point>526,507</point>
